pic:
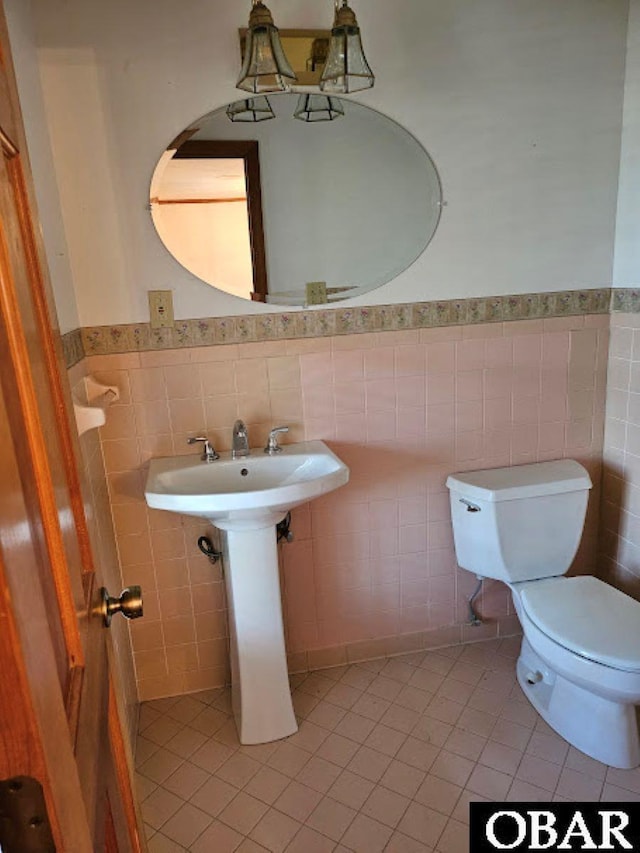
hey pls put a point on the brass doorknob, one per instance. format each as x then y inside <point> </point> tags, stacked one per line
<point>129,604</point>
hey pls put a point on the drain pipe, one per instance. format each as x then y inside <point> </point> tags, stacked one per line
<point>474,619</point>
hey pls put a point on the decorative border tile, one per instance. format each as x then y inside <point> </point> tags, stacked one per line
<point>72,347</point>
<point>625,300</point>
<point>208,331</point>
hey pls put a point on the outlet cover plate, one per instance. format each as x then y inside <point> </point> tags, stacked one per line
<point>161,308</point>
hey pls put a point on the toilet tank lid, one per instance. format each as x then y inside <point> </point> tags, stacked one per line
<point>521,481</point>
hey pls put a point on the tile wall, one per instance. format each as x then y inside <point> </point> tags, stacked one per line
<point>620,523</point>
<point>372,567</point>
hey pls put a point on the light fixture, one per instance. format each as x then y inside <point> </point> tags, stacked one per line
<point>346,69</point>
<point>265,67</point>
<point>251,109</point>
<point>318,108</point>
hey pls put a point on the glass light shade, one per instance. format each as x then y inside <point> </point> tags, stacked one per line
<point>318,108</point>
<point>265,67</point>
<point>252,109</point>
<point>346,69</point>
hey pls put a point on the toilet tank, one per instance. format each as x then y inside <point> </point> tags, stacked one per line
<point>519,523</point>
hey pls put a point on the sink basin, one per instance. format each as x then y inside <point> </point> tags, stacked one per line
<point>255,491</point>
<point>246,498</point>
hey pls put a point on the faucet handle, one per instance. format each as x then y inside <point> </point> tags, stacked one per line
<point>208,451</point>
<point>272,442</point>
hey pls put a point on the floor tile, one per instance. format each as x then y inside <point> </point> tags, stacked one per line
<point>578,787</point>
<point>500,757</point>
<point>319,774</point>
<point>521,791</point>
<point>161,844</point>
<point>385,739</point>
<point>159,807</point>
<point>355,727</point>
<point>388,757</point>
<point>243,813</point>
<point>238,770</point>
<point>385,806</point>
<point>214,796</point>
<point>369,763</point>
<point>550,747</point>
<point>309,841</point>
<point>186,742</point>
<point>402,778</point>
<point>432,731</point>
<point>423,824</point>
<point>186,780</point>
<point>211,756</point>
<point>465,744</point>
<point>331,818</point>
<point>218,837</point>
<point>275,831</point>
<point>401,843</point>
<point>160,766</point>
<point>454,839</point>
<point>511,734</point>
<point>539,772</point>
<point>453,768</point>
<point>186,825</point>
<point>490,783</point>
<point>289,759</point>
<point>308,737</point>
<point>351,790</point>
<point>326,715</point>
<point>366,835</point>
<point>417,753</point>
<point>267,785</point>
<point>438,794</point>
<point>298,801</point>
<point>337,749</point>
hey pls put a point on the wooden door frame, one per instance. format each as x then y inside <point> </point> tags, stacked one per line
<point>33,697</point>
<point>247,150</point>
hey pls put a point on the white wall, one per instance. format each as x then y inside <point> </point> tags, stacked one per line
<point>519,105</point>
<point>626,271</point>
<point>21,30</point>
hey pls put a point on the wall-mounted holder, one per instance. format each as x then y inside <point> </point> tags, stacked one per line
<point>91,412</point>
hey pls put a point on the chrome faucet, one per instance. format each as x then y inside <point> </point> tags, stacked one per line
<point>272,442</point>
<point>208,451</point>
<point>240,446</point>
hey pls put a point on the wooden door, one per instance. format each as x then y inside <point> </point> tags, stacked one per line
<point>59,728</point>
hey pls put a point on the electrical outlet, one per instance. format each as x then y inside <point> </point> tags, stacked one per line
<point>161,308</point>
<point>316,292</point>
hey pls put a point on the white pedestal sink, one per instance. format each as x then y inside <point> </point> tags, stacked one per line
<point>246,498</point>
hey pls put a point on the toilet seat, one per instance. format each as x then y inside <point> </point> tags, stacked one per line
<point>586,616</point>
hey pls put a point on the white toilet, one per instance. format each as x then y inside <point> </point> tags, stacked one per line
<point>580,659</point>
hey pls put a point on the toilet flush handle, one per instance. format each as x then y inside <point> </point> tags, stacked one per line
<point>470,507</point>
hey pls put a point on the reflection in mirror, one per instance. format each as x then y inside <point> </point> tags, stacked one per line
<point>261,210</point>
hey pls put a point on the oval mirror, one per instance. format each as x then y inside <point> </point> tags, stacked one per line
<point>295,210</point>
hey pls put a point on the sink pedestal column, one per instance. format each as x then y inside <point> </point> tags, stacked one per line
<point>261,694</point>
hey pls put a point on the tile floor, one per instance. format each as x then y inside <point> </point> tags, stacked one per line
<point>387,758</point>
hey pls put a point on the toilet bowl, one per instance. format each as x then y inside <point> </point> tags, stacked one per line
<point>579,664</point>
